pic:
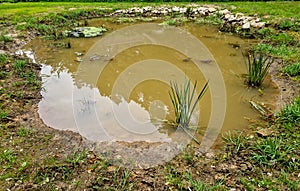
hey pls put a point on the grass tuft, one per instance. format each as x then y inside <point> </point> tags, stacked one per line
<point>4,38</point>
<point>234,141</point>
<point>274,152</point>
<point>289,116</point>
<point>184,101</point>
<point>19,65</point>
<point>258,65</point>
<point>292,70</point>
<point>280,51</point>
<point>199,185</point>
<point>3,59</point>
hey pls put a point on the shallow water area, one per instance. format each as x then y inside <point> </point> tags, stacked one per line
<point>123,96</point>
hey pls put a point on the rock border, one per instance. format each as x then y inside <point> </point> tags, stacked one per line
<point>231,20</point>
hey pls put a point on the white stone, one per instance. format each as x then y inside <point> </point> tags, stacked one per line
<point>155,11</point>
<point>246,25</point>
<point>2,52</point>
<point>258,25</point>
<point>165,12</point>
<point>182,10</point>
<point>227,16</point>
<point>175,9</point>
<point>119,11</point>
<point>224,12</point>
<point>202,8</point>
<point>212,10</point>
<point>232,18</point>
<point>204,13</point>
<point>195,10</point>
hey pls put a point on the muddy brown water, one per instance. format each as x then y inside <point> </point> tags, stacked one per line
<point>129,101</point>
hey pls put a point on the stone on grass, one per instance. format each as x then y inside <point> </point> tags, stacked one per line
<point>246,25</point>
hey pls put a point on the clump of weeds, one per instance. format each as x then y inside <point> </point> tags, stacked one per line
<point>292,69</point>
<point>185,100</point>
<point>257,66</point>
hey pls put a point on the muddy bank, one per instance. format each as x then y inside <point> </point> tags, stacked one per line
<point>289,89</point>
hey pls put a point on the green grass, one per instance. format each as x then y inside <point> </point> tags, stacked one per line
<point>3,114</point>
<point>234,141</point>
<point>121,182</point>
<point>280,51</point>
<point>77,158</point>
<point>274,182</point>
<point>120,179</point>
<point>4,38</point>
<point>177,180</point>
<point>171,22</point>
<point>173,178</point>
<point>290,184</point>
<point>292,69</point>
<point>19,65</point>
<point>282,38</point>
<point>274,152</point>
<point>289,116</point>
<point>288,24</point>
<point>3,74</point>
<point>258,65</point>
<point>24,132</point>
<point>199,185</point>
<point>273,9</point>
<point>266,32</point>
<point>7,159</point>
<point>3,59</point>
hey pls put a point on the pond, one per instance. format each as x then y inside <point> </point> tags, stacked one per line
<point>122,95</point>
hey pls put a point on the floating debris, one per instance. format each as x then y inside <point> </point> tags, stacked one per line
<point>94,57</point>
<point>85,32</point>
<point>78,53</point>
<point>265,132</point>
<point>187,59</point>
<point>206,61</point>
<point>78,59</point>
<point>261,109</point>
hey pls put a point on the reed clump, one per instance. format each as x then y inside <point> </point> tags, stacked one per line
<point>258,66</point>
<point>184,100</point>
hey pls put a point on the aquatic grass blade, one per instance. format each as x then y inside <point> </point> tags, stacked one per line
<point>198,98</point>
<point>184,102</point>
<point>258,65</point>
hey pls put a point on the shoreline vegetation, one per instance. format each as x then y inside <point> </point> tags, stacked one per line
<point>35,157</point>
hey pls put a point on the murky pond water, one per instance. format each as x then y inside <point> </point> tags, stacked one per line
<point>125,97</point>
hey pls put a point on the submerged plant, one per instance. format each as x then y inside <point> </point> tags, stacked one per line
<point>184,100</point>
<point>258,65</point>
